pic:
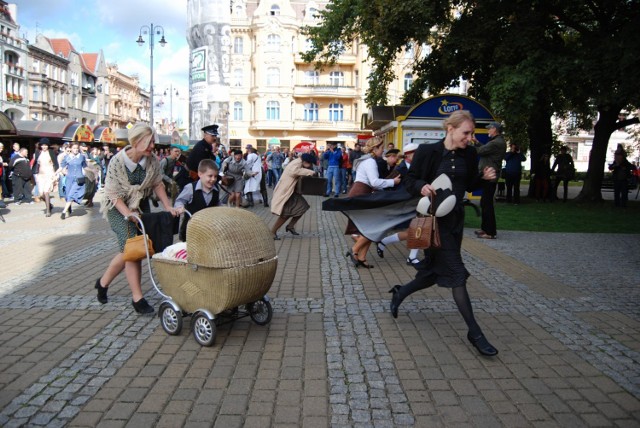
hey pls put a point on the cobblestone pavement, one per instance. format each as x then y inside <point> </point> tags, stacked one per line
<point>561,308</point>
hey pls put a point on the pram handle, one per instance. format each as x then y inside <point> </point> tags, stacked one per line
<point>146,248</point>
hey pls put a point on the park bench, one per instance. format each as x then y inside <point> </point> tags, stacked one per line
<point>607,186</point>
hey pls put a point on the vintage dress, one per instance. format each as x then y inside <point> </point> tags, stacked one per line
<point>444,266</point>
<point>373,214</point>
<point>236,170</point>
<point>46,165</point>
<point>285,190</point>
<point>74,164</point>
<point>252,184</point>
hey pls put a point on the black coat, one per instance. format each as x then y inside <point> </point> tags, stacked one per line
<point>202,150</point>
<point>54,159</point>
<point>426,161</point>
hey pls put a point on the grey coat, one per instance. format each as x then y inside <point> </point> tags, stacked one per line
<point>492,153</point>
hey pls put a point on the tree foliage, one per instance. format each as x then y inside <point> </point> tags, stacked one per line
<point>526,60</point>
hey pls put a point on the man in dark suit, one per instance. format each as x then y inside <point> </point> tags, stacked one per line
<point>204,149</point>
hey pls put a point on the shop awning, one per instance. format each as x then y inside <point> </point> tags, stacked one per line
<point>43,128</point>
<point>7,127</point>
<point>104,135</point>
<point>78,132</point>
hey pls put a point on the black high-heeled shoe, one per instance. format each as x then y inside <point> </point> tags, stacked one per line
<point>395,300</point>
<point>380,250</point>
<point>482,345</point>
<point>292,231</point>
<point>353,258</point>
<point>102,292</point>
<point>364,264</point>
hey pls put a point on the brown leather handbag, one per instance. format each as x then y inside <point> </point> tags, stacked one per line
<point>423,232</point>
<point>134,248</point>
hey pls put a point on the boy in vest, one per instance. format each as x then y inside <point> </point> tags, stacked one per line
<point>199,195</point>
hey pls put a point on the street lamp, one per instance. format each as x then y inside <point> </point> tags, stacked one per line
<point>151,30</point>
<point>171,101</point>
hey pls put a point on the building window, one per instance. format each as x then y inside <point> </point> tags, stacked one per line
<point>336,78</point>
<point>311,112</point>
<point>408,81</point>
<point>336,112</point>
<point>311,77</point>
<point>273,42</point>
<point>237,110</point>
<point>36,93</point>
<point>237,77</point>
<point>238,45</point>
<point>273,76</point>
<point>275,10</point>
<point>273,110</point>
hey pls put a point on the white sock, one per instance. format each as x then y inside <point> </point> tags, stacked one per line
<point>391,239</point>
<point>413,255</point>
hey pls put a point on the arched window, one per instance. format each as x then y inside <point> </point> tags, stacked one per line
<point>336,78</point>
<point>237,110</point>
<point>238,45</point>
<point>408,81</point>
<point>336,112</point>
<point>237,77</point>
<point>273,42</point>
<point>273,76</point>
<point>311,112</point>
<point>275,10</point>
<point>311,77</point>
<point>273,110</point>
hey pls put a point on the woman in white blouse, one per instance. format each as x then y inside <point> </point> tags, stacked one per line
<point>367,181</point>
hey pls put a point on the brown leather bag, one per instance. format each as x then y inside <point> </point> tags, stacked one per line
<point>423,232</point>
<point>134,248</point>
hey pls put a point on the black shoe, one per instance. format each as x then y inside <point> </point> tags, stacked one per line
<point>482,345</point>
<point>276,237</point>
<point>412,262</point>
<point>292,231</point>
<point>352,257</point>
<point>380,249</point>
<point>102,292</point>
<point>142,307</point>
<point>63,215</point>
<point>395,301</point>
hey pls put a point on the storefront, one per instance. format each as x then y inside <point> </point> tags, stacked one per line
<point>422,123</point>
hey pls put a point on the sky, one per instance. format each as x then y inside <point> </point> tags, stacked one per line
<point>114,26</point>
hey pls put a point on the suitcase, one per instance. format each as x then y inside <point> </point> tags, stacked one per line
<point>312,186</point>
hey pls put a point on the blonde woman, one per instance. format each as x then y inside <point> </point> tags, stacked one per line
<point>134,174</point>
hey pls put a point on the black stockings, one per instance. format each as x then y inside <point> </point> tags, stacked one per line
<point>460,296</point>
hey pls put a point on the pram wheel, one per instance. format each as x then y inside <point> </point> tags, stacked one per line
<point>260,311</point>
<point>204,329</point>
<point>170,319</point>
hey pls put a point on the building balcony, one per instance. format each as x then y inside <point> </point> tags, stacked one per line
<point>325,91</point>
<point>14,70</point>
<point>262,124</point>
<point>344,59</point>
<point>326,125</point>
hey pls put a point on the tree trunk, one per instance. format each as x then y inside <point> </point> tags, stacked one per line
<point>604,127</point>
<point>540,139</point>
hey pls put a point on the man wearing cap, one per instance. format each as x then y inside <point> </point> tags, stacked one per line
<point>491,155</point>
<point>204,149</point>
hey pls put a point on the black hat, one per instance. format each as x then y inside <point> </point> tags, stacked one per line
<point>43,141</point>
<point>211,130</point>
<point>496,125</point>
<point>308,157</point>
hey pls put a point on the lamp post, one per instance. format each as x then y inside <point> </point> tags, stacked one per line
<point>171,101</point>
<point>151,30</point>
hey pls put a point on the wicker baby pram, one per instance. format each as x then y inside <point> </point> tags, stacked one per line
<point>231,261</point>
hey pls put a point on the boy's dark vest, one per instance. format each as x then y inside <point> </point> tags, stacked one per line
<point>197,203</point>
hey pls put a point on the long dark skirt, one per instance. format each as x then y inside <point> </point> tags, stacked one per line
<point>296,206</point>
<point>358,189</point>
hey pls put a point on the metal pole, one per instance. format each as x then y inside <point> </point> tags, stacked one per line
<point>151,75</point>
<point>171,103</point>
